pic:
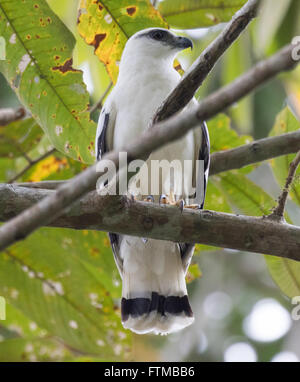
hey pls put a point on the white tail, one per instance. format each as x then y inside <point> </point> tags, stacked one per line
<point>154,295</point>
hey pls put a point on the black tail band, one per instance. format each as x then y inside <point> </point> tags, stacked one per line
<point>172,304</point>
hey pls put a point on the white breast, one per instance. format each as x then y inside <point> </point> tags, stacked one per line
<point>136,100</point>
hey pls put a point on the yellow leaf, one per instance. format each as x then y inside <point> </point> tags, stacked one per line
<point>107,25</point>
<point>47,167</point>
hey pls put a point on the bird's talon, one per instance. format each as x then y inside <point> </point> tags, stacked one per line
<point>149,198</point>
<point>163,199</point>
<point>180,204</point>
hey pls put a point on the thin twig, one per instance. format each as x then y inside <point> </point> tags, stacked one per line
<point>200,69</point>
<point>99,105</point>
<point>278,212</point>
<point>11,115</point>
<point>31,163</point>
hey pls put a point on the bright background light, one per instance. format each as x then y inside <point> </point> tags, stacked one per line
<point>285,356</point>
<point>267,322</point>
<point>217,305</point>
<point>240,352</point>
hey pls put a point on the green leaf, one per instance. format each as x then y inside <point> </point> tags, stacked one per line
<point>31,350</point>
<point>54,167</point>
<point>39,69</point>
<point>7,169</point>
<point>273,17</point>
<point>16,324</point>
<point>286,274</point>
<point>107,24</point>
<point>286,122</point>
<point>189,14</point>
<point>215,200</point>
<point>193,273</point>
<point>19,137</point>
<point>235,62</point>
<point>222,136</point>
<point>21,340</point>
<point>244,195</point>
<point>66,282</point>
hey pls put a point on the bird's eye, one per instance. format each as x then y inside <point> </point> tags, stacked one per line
<point>157,35</point>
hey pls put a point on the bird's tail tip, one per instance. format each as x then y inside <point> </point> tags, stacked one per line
<point>157,314</point>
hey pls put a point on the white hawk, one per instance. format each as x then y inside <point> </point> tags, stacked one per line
<point>154,293</point>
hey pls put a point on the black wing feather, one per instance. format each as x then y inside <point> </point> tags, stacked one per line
<point>102,146</point>
<point>115,239</point>
<point>186,249</point>
<point>204,155</point>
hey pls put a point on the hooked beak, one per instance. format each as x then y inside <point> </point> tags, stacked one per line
<point>183,43</point>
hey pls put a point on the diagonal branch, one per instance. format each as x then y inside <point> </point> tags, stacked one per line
<point>254,152</point>
<point>98,105</point>
<point>31,163</point>
<point>195,76</point>
<point>120,214</point>
<point>162,133</point>
<point>11,115</point>
<point>278,212</point>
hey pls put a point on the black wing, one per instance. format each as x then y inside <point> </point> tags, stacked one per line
<point>186,249</point>
<point>204,156</point>
<point>101,145</point>
<point>101,149</point>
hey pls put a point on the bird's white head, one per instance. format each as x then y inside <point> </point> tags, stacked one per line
<point>153,45</point>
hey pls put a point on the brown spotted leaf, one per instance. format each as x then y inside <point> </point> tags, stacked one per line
<point>107,25</point>
<point>38,67</point>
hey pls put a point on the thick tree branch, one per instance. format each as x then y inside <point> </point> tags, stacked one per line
<point>195,76</point>
<point>120,214</point>
<point>10,115</point>
<point>254,152</point>
<point>162,133</point>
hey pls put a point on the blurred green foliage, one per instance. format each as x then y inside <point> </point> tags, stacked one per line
<point>62,287</point>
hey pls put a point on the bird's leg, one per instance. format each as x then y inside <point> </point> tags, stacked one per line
<point>165,199</point>
<point>178,203</point>
<point>132,197</point>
